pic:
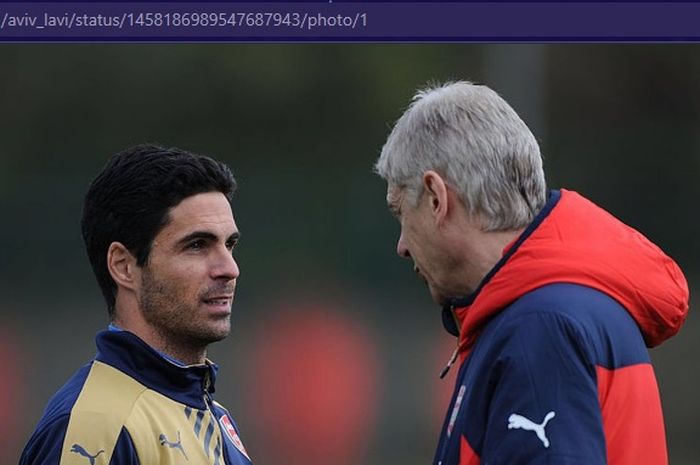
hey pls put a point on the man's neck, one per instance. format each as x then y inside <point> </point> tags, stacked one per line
<point>177,352</point>
<point>481,253</point>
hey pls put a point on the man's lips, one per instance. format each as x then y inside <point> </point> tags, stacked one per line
<point>219,300</point>
<point>219,295</point>
<point>420,275</point>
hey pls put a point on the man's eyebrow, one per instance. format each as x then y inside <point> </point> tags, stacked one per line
<point>197,235</point>
<point>206,235</point>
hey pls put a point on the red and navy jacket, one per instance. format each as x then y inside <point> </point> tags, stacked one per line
<point>133,406</point>
<point>553,346</point>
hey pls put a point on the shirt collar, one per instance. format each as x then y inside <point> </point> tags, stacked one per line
<point>129,354</point>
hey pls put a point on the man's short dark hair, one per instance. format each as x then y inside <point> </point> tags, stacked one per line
<point>129,201</point>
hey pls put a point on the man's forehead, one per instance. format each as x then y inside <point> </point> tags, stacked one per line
<point>208,211</point>
<point>205,203</point>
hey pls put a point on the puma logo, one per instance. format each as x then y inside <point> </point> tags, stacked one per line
<point>173,445</point>
<point>78,449</point>
<point>516,421</point>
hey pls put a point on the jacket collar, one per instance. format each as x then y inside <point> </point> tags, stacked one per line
<point>129,354</point>
<point>574,241</point>
<point>449,318</point>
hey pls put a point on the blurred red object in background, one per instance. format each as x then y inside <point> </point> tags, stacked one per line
<point>11,393</point>
<point>313,387</point>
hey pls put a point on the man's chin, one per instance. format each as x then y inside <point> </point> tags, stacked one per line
<point>437,297</point>
<point>220,334</point>
<point>212,333</point>
<point>442,298</point>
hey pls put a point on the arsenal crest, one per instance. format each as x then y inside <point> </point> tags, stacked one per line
<point>227,426</point>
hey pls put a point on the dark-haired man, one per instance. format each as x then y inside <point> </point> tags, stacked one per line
<point>552,298</point>
<point>159,232</point>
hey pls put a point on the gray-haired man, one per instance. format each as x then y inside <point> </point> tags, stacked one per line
<point>551,297</point>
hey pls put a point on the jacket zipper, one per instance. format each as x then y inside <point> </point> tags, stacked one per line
<point>209,402</point>
<point>453,358</point>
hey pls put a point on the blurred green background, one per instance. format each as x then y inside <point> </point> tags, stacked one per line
<point>336,346</point>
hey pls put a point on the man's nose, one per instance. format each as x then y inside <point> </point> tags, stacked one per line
<point>401,248</point>
<point>226,266</point>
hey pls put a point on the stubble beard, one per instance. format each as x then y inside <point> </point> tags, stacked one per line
<point>177,323</point>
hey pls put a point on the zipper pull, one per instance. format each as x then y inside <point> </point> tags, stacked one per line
<point>206,386</point>
<point>207,381</point>
<point>453,359</point>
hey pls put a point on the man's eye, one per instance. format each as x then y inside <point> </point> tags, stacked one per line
<point>196,245</point>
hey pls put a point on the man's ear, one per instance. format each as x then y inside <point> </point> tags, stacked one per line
<point>436,191</point>
<point>121,265</point>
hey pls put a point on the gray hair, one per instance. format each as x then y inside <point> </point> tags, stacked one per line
<point>474,139</point>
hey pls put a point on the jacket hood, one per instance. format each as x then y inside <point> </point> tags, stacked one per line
<point>572,240</point>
